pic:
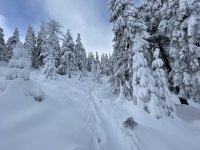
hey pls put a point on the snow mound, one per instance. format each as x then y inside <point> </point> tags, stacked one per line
<point>28,88</point>
<point>18,75</point>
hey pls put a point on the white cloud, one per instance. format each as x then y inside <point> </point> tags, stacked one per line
<point>85,18</point>
<point>7,32</point>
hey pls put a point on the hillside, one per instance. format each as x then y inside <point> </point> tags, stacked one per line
<point>78,115</point>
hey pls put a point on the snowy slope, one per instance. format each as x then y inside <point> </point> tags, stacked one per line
<point>79,115</point>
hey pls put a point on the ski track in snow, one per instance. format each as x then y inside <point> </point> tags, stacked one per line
<point>100,118</point>
<point>110,113</point>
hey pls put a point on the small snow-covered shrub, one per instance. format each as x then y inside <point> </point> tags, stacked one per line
<point>38,94</point>
<point>130,123</point>
<point>18,75</point>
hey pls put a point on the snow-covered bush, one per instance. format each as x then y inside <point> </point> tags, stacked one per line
<point>130,123</point>
<point>18,74</point>
<point>19,64</point>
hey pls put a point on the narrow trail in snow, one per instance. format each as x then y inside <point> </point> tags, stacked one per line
<point>131,139</point>
<point>99,136</point>
<point>104,123</point>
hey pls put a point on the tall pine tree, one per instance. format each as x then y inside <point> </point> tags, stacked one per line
<point>53,31</point>
<point>10,44</point>
<point>42,36</point>
<point>29,45</point>
<point>67,55</point>
<point>2,44</point>
<point>80,55</point>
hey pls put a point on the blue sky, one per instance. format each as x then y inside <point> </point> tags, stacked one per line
<point>88,17</point>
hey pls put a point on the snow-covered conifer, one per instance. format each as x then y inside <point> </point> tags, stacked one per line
<point>111,63</point>
<point>51,49</point>
<point>10,44</point>
<point>124,17</point>
<point>183,50</point>
<point>2,44</point>
<point>19,64</point>
<point>96,73</point>
<point>97,58</point>
<point>42,36</point>
<point>80,54</point>
<point>19,73</point>
<point>49,70</point>
<point>144,92</point>
<point>194,49</point>
<point>29,45</point>
<point>67,55</point>
<point>89,61</point>
<point>163,93</point>
<point>53,30</point>
<point>105,69</point>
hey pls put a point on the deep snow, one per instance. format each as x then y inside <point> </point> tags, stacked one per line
<point>78,115</point>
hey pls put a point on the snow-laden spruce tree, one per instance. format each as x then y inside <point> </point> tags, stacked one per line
<point>67,55</point>
<point>49,69</point>
<point>19,73</point>
<point>80,55</point>
<point>194,49</point>
<point>144,91</point>
<point>116,9</point>
<point>10,44</point>
<point>29,45</point>
<point>97,58</point>
<point>124,17</point>
<point>2,44</point>
<point>51,49</point>
<point>93,71</point>
<point>163,92</point>
<point>111,64</point>
<point>89,61</point>
<point>42,36</point>
<point>105,65</point>
<point>53,30</point>
<point>96,73</point>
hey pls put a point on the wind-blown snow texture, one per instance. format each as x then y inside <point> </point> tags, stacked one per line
<point>78,115</point>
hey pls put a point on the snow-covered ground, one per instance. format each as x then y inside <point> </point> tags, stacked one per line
<point>78,115</point>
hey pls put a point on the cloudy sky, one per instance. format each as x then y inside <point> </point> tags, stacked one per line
<point>88,17</point>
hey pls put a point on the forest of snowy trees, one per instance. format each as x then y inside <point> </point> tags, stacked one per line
<point>156,51</point>
<point>171,27</point>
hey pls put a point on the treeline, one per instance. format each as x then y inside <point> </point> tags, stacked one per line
<point>44,51</point>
